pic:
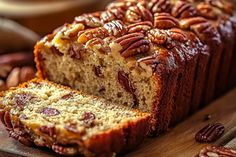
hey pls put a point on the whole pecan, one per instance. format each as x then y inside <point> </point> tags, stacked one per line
<point>89,34</point>
<point>157,36</point>
<point>183,9</point>
<point>5,70</point>
<point>158,6</point>
<point>112,14</point>
<point>141,27</point>
<point>65,150</point>
<point>138,13</point>
<point>116,28</point>
<point>165,21</point>
<point>132,44</point>
<point>89,20</point>
<point>17,59</point>
<point>215,151</point>
<point>210,133</point>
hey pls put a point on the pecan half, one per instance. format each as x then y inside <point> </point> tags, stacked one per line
<point>124,81</point>
<point>99,45</point>
<point>65,150</point>
<point>50,111</point>
<point>116,28</point>
<point>112,14</point>
<point>165,21</point>
<point>157,36</point>
<point>22,138</point>
<point>76,52</point>
<point>183,9</point>
<point>177,34</point>
<point>141,27</point>
<point>132,44</point>
<point>224,5</point>
<point>210,133</point>
<point>48,129</point>
<point>157,6</point>
<point>26,73</point>
<point>89,34</point>
<point>138,13</point>
<point>89,20</point>
<point>5,119</point>
<point>207,11</point>
<point>215,151</point>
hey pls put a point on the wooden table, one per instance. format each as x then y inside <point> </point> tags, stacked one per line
<point>178,141</point>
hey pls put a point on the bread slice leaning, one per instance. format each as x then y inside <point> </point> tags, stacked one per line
<point>46,114</point>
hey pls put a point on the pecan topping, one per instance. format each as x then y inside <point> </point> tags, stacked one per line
<point>138,13</point>
<point>86,35</point>
<point>98,71</point>
<point>67,96</point>
<point>215,151</point>
<point>88,118</point>
<point>116,28</point>
<point>122,4</point>
<point>112,14</point>
<point>157,6</point>
<point>72,127</point>
<point>50,111</point>
<point>89,20</point>
<point>48,129</point>
<point>133,44</point>
<point>183,9</point>
<point>157,36</point>
<point>22,99</point>
<point>99,45</point>
<point>165,21</point>
<point>56,51</point>
<point>177,34</point>
<point>207,11</point>
<point>210,133</point>
<point>187,23</point>
<point>223,5</point>
<point>65,150</point>
<point>22,138</point>
<point>141,27</point>
<point>150,60</point>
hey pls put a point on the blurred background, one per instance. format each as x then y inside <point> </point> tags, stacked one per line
<point>23,22</point>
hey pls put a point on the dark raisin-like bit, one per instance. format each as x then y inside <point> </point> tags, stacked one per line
<point>123,79</point>
<point>50,111</point>
<point>210,133</point>
<point>22,99</point>
<point>56,51</point>
<point>67,96</point>
<point>48,129</point>
<point>72,127</point>
<point>98,71</point>
<point>88,118</point>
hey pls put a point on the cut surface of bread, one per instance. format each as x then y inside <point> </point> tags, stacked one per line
<point>49,115</point>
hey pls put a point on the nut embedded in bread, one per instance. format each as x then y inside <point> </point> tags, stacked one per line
<point>45,114</point>
<point>162,58</point>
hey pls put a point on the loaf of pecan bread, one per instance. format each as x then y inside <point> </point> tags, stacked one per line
<point>159,56</point>
<point>45,114</point>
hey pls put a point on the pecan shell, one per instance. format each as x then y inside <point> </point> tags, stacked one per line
<point>210,133</point>
<point>215,151</point>
<point>132,44</point>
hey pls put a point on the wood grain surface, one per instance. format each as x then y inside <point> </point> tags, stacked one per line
<point>178,141</point>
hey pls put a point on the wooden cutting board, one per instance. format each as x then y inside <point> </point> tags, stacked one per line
<point>178,141</point>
